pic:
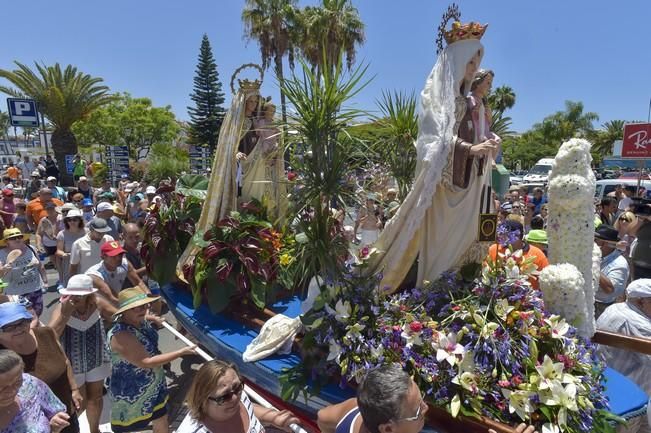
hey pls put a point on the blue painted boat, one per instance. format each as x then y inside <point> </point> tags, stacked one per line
<point>227,339</point>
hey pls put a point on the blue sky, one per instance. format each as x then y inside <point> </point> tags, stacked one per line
<point>547,51</point>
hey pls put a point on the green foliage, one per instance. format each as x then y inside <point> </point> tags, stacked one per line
<point>166,161</point>
<point>5,123</point>
<point>544,139</point>
<point>207,114</point>
<point>603,139</point>
<point>333,26</point>
<point>194,185</point>
<point>65,96</point>
<point>130,121</point>
<point>323,162</point>
<point>399,123</point>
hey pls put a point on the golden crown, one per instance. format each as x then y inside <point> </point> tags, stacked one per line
<point>247,84</point>
<point>459,31</point>
<point>462,32</point>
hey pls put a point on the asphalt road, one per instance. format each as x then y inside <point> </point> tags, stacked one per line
<point>179,376</point>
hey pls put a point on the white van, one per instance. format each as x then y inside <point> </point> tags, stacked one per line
<point>540,172</point>
<point>606,186</point>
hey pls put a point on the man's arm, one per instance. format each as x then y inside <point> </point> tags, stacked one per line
<point>103,288</point>
<point>132,275</point>
<point>329,416</point>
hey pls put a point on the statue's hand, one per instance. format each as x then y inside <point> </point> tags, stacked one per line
<point>240,156</point>
<point>485,148</point>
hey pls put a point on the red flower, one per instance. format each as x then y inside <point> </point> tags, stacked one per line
<point>516,380</point>
<point>456,308</point>
<point>504,383</point>
<point>291,175</point>
<point>364,252</point>
<point>416,326</point>
<point>396,328</point>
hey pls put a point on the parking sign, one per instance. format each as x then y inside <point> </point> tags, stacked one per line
<point>22,112</point>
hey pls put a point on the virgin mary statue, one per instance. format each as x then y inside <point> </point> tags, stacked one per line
<point>231,166</point>
<point>437,222</point>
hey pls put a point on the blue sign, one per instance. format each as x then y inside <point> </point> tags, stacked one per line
<point>22,112</point>
<point>70,163</point>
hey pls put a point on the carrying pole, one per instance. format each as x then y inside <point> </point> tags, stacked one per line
<point>250,392</point>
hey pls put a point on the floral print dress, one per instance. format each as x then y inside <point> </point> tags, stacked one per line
<point>138,395</point>
<point>37,405</point>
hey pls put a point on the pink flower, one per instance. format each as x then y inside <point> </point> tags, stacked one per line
<point>504,383</point>
<point>416,326</point>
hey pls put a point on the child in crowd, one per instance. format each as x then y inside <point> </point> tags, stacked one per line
<point>20,222</point>
<point>87,206</point>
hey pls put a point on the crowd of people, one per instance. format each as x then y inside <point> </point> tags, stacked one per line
<point>103,333</point>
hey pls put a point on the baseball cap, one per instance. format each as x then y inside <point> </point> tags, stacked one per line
<point>99,225</point>
<point>87,202</point>
<point>83,179</point>
<point>111,249</point>
<point>8,192</point>
<point>36,173</point>
<point>150,190</point>
<point>51,179</point>
<point>12,312</point>
<point>101,207</point>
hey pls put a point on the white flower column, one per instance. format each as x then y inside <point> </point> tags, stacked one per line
<point>570,225</point>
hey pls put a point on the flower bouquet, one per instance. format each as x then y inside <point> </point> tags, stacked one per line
<point>481,347</point>
<point>238,259</point>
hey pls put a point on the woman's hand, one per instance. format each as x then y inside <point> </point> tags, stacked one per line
<point>156,320</point>
<point>67,305</point>
<point>188,350</point>
<point>283,418</point>
<point>59,421</point>
<point>77,399</point>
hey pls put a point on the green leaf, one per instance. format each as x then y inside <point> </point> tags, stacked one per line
<point>455,405</point>
<point>193,185</point>
<point>258,293</point>
<point>219,293</point>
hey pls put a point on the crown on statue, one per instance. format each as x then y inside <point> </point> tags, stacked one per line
<point>462,32</point>
<point>248,85</point>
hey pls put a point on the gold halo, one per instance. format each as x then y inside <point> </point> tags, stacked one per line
<point>243,67</point>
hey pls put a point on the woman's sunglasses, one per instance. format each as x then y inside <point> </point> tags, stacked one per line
<point>224,398</point>
<point>624,219</point>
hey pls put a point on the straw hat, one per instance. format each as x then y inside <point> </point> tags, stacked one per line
<point>12,233</point>
<point>132,298</point>
<point>79,285</point>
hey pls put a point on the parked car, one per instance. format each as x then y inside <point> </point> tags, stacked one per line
<point>606,186</point>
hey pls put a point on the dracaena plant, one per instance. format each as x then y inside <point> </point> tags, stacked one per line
<point>238,260</point>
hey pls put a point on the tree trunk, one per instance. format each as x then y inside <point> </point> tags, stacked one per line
<point>64,143</point>
<point>283,106</point>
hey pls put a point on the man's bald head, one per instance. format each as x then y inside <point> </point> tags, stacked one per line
<point>131,236</point>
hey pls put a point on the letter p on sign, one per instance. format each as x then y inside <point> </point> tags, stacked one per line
<point>22,107</point>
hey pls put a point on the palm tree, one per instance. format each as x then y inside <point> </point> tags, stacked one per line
<point>501,99</point>
<point>328,29</point>
<point>4,125</point>
<point>64,97</point>
<point>603,139</point>
<point>271,23</point>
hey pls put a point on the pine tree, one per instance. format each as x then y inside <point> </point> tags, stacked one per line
<point>208,113</point>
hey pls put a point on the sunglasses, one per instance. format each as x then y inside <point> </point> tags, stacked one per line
<point>416,417</point>
<point>625,219</point>
<point>15,326</point>
<point>77,219</point>
<point>224,398</point>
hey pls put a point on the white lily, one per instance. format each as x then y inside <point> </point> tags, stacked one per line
<point>502,308</point>
<point>559,326</point>
<point>550,428</point>
<point>466,380</point>
<point>335,351</point>
<point>354,331</point>
<point>549,371</point>
<point>520,402</point>
<point>448,348</point>
<point>563,396</point>
<point>341,312</point>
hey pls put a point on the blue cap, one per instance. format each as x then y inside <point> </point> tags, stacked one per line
<point>87,202</point>
<point>12,312</point>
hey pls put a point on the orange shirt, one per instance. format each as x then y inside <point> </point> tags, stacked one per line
<point>539,259</point>
<point>12,172</point>
<point>36,211</point>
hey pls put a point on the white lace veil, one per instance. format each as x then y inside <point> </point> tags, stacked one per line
<point>436,128</point>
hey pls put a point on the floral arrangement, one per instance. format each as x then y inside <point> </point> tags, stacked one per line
<point>239,258</point>
<point>168,228</point>
<point>563,291</point>
<point>475,347</point>
<point>570,226</point>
